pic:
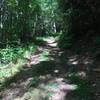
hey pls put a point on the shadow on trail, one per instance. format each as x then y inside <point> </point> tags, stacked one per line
<point>43,68</point>
<point>44,73</point>
<point>53,78</point>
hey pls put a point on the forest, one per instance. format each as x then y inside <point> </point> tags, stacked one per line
<point>49,50</point>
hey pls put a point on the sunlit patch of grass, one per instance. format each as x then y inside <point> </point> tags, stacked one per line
<point>40,38</point>
<point>11,54</point>
<point>12,61</point>
<point>45,56</point>
<point>9,71</point>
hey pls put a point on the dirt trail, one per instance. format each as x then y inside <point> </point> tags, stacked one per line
<point>50,81</point>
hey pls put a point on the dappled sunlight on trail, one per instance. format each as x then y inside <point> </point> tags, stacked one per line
<point>44,77</point>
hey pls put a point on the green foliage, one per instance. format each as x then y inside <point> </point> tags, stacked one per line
<point>18,20</point>
<point>65,41</point>
<point>34,81</point>
<point>11,54</point>
<point>12,61</point>
<point>83,92</point>
<point>80,21</point>
<point>50,16</point>
<point>44,56</point>
<point>22,21</point>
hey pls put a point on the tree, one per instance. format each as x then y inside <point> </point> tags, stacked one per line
<point>80,21</point>
<point>18,20</point>
<point>50,15</point>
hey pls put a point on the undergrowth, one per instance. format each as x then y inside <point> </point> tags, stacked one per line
<point>12,60</point>
<point>83,92</point>
<point>11,54</point>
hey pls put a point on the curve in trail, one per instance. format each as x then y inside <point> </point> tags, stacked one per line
<point>50,82</point>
